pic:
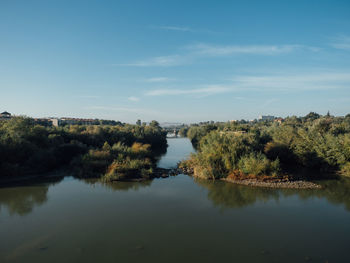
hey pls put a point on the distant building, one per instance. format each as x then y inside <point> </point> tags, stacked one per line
<point>64,121</point>
<point>78,121</point>
<point>266,118</point>
<point>55,122</point>
<point>5,115</point>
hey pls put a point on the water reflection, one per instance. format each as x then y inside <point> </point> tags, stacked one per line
<point>126,186</point>
<point>179,149</point>
<point>120,186</point>
<point>22,198</point>
<point>335,191</point>
<point>227,195</point>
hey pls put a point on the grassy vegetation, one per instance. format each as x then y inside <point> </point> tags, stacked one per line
<point>312,146</point>
<point>112,152</point>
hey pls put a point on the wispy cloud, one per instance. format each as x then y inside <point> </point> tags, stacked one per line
<point>206,50</point>
<point>134,99</point>
<point>162,61</point>
<point>209,90</point>
<point>159,79</point>
<point>293,82</point>
<point>341,42</point>
<point>219,50</point>
<point>175,28</point>
<point>185,29</point>
<point>311,81</point>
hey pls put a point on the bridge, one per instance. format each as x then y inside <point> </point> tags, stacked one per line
<point>172,132</point>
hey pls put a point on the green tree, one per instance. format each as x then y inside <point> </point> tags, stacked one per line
<point>154,123</point>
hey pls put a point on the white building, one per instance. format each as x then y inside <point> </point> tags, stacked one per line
<point>55,122</point>
<point>266,118</point>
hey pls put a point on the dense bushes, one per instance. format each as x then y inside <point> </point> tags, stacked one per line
<point>196,133</point>
<point>258,164</point>
<point>183,131</point>
<point>118,162</point>
<point>312,145</point>
<point>221,154</point>
<point>28,148</point>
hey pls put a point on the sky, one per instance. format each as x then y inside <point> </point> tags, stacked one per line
<point>174,61</point>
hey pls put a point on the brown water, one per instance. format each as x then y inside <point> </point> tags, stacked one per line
<point>176,219</point>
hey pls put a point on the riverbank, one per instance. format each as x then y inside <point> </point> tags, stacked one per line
<point>286,184</point>
<point>157,173</point>
<point>255,182</point>
<point>7,181</point>
<point>300,184</point>
<point>167,172</point>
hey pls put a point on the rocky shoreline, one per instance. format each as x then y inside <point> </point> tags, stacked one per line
<point>157,173</point>
<point>281,184</point>
<point>166,172</point>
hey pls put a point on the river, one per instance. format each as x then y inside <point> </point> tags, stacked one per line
<point>175,219</point>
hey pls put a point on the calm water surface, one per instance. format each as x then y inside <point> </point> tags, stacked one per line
<point>176,219</point>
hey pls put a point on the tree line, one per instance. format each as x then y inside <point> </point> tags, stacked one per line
<point>93,150</point>
<point>311,147</point>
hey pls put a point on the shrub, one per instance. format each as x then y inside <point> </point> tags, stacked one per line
<point>258,164</point>
<point>128,169</point>
<point>345,170</point>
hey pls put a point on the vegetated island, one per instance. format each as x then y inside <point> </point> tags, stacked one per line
<point>292,153</point>
<point>109,152</point>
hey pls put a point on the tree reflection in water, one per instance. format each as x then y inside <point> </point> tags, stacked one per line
<point>120,185</point>
<point>22,198</point>
<point>228,195</point>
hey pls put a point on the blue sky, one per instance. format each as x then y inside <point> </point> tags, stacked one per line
<point>177,61</point>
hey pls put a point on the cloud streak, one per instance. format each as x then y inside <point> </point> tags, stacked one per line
<point>206,50</point>
<point>175,28</point>
<point>276,83</point>
<point>162,61</point>
<point>312,81</point>
<point>134,99</point>
<point>342,42</point>
<point>210,90</point>
<point>219,50</point>
<point>159,79</point>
